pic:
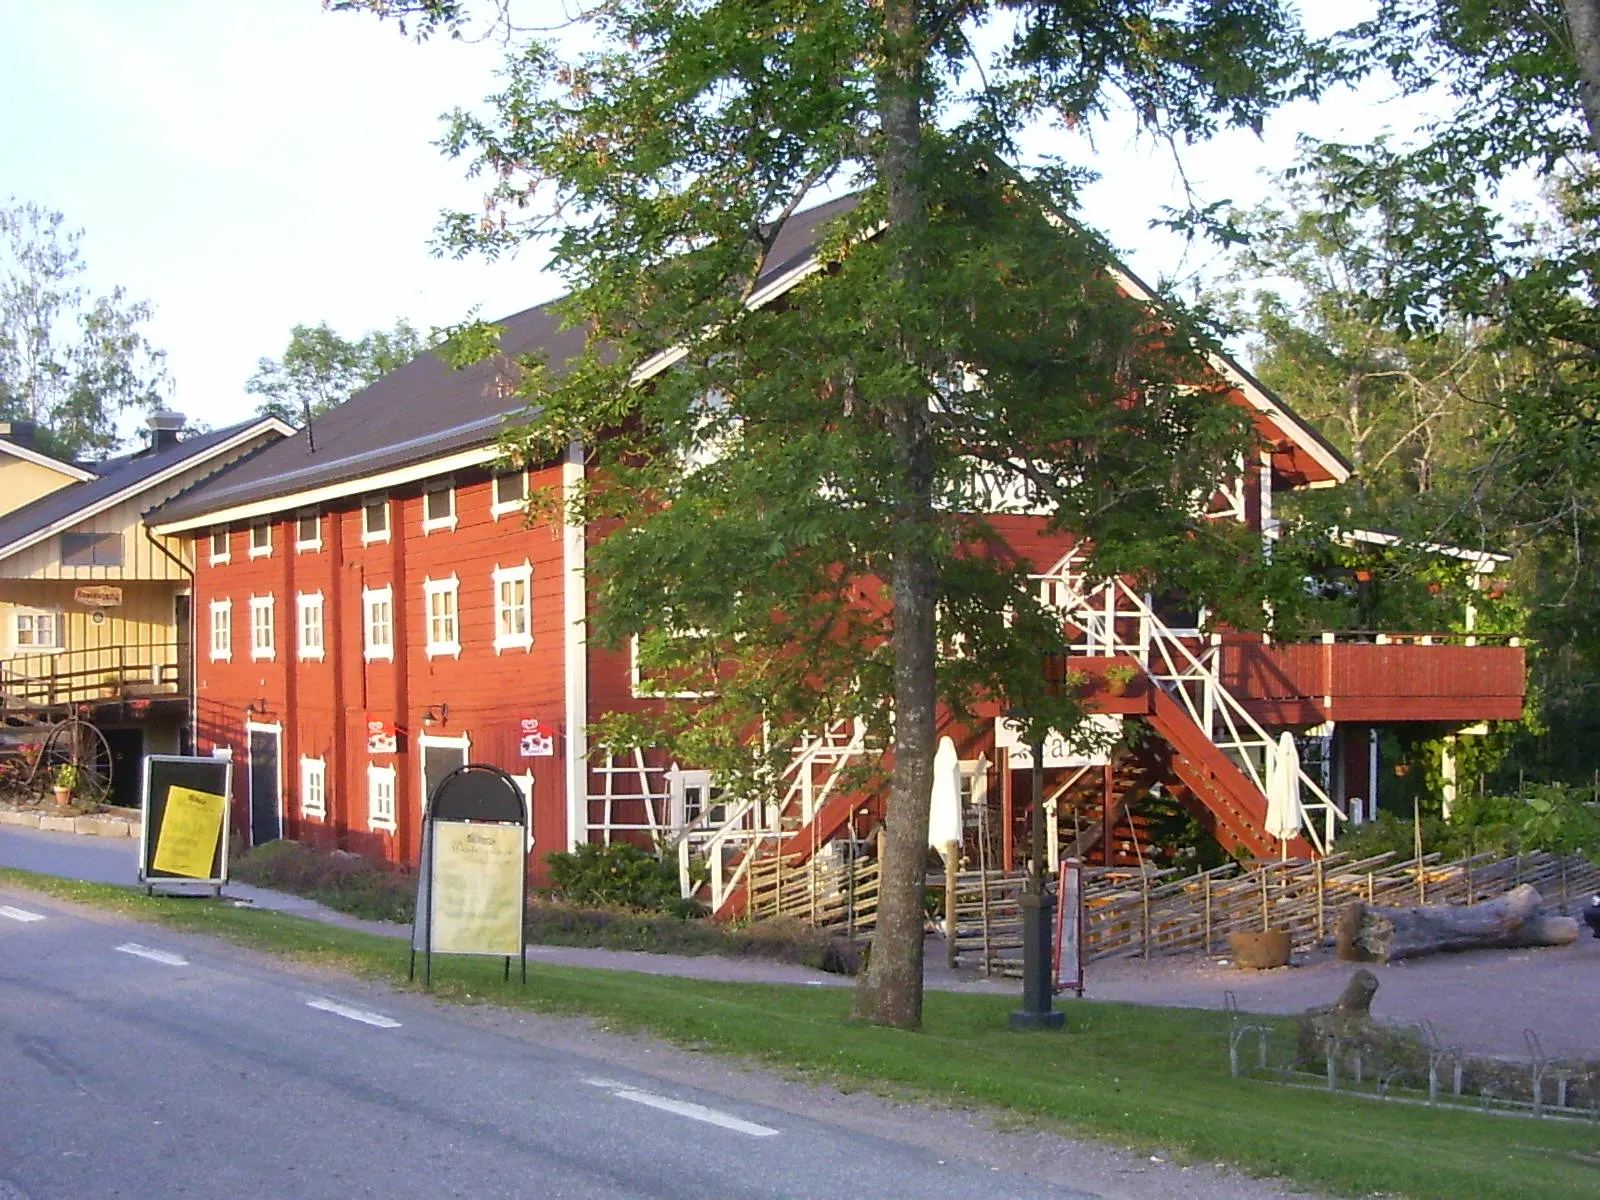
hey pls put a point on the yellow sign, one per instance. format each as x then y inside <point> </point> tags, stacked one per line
<point>477,888</point>
<point>191,824</point>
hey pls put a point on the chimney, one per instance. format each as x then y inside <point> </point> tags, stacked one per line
<point>165,426</point>
<point>20,433</point>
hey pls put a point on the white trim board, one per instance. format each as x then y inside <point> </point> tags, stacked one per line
<point>70,470</point>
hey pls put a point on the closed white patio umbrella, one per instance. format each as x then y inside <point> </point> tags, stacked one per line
<point>1285,816</point>
<point>944,814</point>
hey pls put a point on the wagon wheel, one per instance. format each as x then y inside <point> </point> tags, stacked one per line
<point>77,743</point>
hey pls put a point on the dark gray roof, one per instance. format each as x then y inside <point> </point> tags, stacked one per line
<point>425,410</point>
<point>115,475</point>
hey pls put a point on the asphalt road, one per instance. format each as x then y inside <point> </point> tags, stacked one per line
<point>137,1062</point>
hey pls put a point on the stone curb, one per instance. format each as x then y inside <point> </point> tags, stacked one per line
<point>94,825</point>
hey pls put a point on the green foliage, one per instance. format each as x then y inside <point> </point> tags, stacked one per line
<point>1550,817</point>
<point>67,776</point>
<point>619,874</point>
<point>70,362</point>
<point>320,370</point>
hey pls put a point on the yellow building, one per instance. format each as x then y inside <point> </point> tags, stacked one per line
<point>94,607</point>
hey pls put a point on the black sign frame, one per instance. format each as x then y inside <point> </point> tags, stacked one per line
<point>162,773</point>
<point>479,793</point>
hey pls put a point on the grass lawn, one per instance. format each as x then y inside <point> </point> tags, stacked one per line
<point>1144,1077</point>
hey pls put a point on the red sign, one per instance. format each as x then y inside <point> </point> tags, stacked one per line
<point>1069,928</point>
<point>535,740</point>
<point>382,737</point>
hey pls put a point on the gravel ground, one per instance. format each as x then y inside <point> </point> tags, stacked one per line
<point>1479,999</point>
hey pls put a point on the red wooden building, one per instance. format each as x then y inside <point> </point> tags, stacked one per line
<point>372,609</point>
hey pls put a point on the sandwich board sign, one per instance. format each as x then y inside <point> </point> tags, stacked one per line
<point>1069,928</point>
<point>185,808</point>
<point>472,885</point>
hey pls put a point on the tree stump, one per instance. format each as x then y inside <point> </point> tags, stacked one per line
<point>1348,1017</point>
<point>1516,919</point>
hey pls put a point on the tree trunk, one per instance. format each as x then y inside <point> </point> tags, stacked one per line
<point>1583,21</point>
<point>1386,934</point>
<point>890,992</point>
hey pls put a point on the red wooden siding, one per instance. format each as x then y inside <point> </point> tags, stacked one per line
<point>323,706</point>
<point>1307,683</point>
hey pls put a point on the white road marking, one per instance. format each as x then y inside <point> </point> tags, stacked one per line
<point>19,914</point>
<point>695,1112</point>
<point>354,1014</point>
<point>160,956</point>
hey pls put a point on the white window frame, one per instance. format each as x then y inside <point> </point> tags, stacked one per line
<point>260,551</point>
<point>643,689</point>
<point>451,587</point>
<point>679,782</point>
<point>301,546</point>
<point>436,524</point>
<point>306,604</point>
<point>223,609</point>
<point>524,784</point>
<point>382,811</point>
<point>504,575</point>
<point>215,559</point>
<point>370,596</point>
<point>58,630</point>
<point>500,508</point>
<point>368,534</point>
<point>313,788</point>
<point>258,605</point>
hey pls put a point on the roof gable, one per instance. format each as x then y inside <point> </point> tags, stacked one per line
<point>121,479</point>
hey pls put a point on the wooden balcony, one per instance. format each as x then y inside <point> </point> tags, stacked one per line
<point>126,678</point>
<point>1376,678</point>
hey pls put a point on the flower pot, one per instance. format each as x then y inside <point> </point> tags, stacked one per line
<point>63,796</point>
<point>1260,951</point>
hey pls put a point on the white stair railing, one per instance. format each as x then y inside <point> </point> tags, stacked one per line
<point>748,825</point>
<point>1113,619</point>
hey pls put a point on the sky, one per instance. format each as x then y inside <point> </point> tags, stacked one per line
<point>250,165</point>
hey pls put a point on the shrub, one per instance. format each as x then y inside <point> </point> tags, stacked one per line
<point>345,882</point>
<point>620,875</point>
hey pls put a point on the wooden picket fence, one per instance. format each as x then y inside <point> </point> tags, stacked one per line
<point>829,895</point>
<point>1143,914</point>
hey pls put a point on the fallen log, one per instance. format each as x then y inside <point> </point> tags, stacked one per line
<point>1516,919</point>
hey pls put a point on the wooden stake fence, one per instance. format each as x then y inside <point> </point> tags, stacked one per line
<point>1129,913</point>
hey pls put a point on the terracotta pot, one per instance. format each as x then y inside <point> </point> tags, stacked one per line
<point>63,796</point>
<point>1260,951</point>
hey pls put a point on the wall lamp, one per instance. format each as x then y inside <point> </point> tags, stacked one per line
<point>256,708</point>
<point>436,714</point>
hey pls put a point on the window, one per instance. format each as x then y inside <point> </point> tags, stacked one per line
<point>380,798</point>
<point>510,493</point>
<point>308,530</point>
<point>36,630</point>
<point>513,629</point>
<point>219,546</point>
<point>438,506</point>
<point>221,630</point>
<point>263,642</point>
<point>309,623</point>
<point>374,520</point>
<point>378,605</point>
<point>653,681</point>
<point>91,549</point>
<point>695,798</point>
<point>443,634</point>
<point>313,788</point>
<point>260,539</point>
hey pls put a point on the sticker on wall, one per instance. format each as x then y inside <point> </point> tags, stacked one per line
<point>535,740</point>
<point>382,737</point>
